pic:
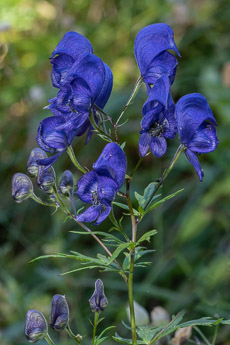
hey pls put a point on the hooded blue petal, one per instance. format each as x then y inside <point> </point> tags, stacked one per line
<point>86,186</point>
<point>103,215</point>
<point>150,42</point>
<point>106,88</point>
<point>106,189</point>
<point>191,111</point>
<point>113,157</point>
<point>90,215</point>
<point>205,139</point>
<point>192,158</point>
<point>158,96</point>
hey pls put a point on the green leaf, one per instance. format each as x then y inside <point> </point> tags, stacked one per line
<point>58,255</point>
<point>125,207</point>
<point>147,236</point>
<point>163,200</point>
<point>105,234</point>
<point>147,196</point>
<point>121,340</point>
<point>225,322</point>
<point>117,251</point>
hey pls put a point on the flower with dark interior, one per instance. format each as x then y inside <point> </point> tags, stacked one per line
<point>158,122</point>
<point>98,302</point>
<point>22,187</point>
<point>151,50</point>
<point>66,184</point>
<point>196,128</point>
<point>59,313</point>
<point>99,186</point>
<point>32,165</point>
<point>36,326</point>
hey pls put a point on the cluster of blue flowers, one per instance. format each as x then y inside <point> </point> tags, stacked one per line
<point>84,84</point>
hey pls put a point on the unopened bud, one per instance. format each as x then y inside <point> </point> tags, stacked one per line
<point>22,187</point>
<point>32,166</point>
<point>46,179</point>
<point>59,313</point>
<point>36,326</point>
<point>66,183</point>
<point>181,336</point>
<point>159,316</point>
<point>98,302</point>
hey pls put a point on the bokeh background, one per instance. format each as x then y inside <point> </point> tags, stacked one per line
<point>190,267</point>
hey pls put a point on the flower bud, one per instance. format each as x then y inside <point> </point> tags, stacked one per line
<point>66,184</point>
<point>32,166</point>
<point>22,187</point>
<point>98,302</point>
<point>46,179</point>
<point>36,326</point>
<point>159,316</point>
<point>59,313</point>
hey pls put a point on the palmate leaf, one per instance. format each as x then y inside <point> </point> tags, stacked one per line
<point>147,236</point>
<point>117,251</point>
<point>160,202</point>
<point>147,196</point>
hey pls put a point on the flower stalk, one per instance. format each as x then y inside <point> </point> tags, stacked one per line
<point>96,316</point>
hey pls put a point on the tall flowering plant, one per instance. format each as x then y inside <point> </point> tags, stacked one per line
<point>84,84</point>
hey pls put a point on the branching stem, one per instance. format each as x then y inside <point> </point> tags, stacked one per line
<point>74,159</point>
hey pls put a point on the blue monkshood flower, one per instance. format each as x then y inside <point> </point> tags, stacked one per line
<point>98,302</point>
<point>154,61</point>
<point>88,82</point>
<point>158,122</point>
<point>36,326</point>
<point>99,186</point>
<point>196,128</point>
<point>68,51</point>
<point>22,187</point>
<point>46,179</point>
<point>66,184</point>
<point>32,165</point>
<point>59,313</point>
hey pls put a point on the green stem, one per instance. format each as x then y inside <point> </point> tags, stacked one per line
<point>131,267</point>
<point>202,335</point>
<point>40,201</point>
<point>215,334</point>
<point>49,340</point>
<point>179,150</point>
<point>95,327</point>
<point>137,166</point>
<point>71,334</point>
<point>74,159</point>
<point>111,121</point>
<point>133,94</point>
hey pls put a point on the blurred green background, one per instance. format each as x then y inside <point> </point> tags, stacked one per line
<point>191,263</point>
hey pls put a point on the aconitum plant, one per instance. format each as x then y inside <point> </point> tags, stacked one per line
<point>84,84</point>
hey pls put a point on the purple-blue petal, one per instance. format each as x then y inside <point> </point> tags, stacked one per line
<point>204,140</point>
<point>103,215</point>
<point>150,42</point>
<point>86,185</point>
<point>113,157</point>
<point>158,146</point>
<point>61,64</point>
<point>90,215</point>
<point>106,189</point>
<point>158,96</point>
<point>191,111</point>
<point>106,88</point>
<point>144,143</point>
<point>192,158</point>
<point>47,162</point>
<point>74,45</point>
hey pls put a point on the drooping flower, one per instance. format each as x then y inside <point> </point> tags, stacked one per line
<point>98,301</point>
<point>46,179</point>
<point>66,184</point>
<point>99,186</point>
<point>59,313</point>
<point>151,50</point>
<point>36,326</point>
<point>158,122</point>
<point>22,187</point>
<point>196,128</point>
<point>32,165</point>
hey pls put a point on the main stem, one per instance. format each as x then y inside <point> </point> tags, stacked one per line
<point>131,267</point>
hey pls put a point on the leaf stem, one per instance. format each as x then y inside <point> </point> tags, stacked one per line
<point>74,160</point>
<point>97,128</point>
<point>71,334</point>
<point>131,267</point>
<point>95,327</point>
<point>40,201</point>
<point>49,340</point>
<point>202,335</point>
<point>215,334</point>
<point>179,150</point>
<point>133,94</point>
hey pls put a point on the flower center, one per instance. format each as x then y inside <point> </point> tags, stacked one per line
<point>156,130</point>
<point>95,200</point>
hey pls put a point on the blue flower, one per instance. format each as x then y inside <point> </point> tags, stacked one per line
<point>158,122</point>
<point>68,51</point>
<point>98,301</point>
<point>196,128</point>
<point>36,326</point>
<point>154,61</point>
<point>99,186</point>
<point>59,317</point>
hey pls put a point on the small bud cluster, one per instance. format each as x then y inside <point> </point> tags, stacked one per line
<point>36,327</point>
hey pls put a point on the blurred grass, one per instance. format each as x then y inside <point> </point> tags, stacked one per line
<point>191,264</point>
